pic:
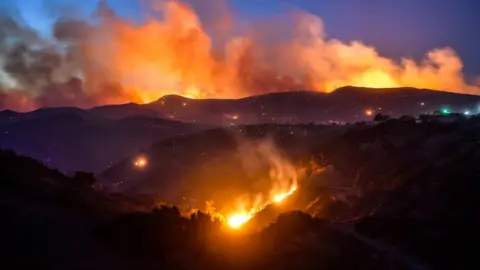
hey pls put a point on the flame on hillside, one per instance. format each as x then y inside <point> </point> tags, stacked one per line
<point>283,178</point>
<point>236,220</point>
<point>203,54</point>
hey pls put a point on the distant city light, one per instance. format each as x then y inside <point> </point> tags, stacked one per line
<point>445,111</point>
<point>466,112</point>
<point>422,103</point>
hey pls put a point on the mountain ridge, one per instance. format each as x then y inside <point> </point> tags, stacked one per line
<point>340,90</point>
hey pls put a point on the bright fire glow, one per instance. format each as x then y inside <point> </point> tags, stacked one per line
<point>177,55</point>
<point>232,116</point>
<point>282,181</point>
<point>368,112</point>
<point>236,220</point>
<point>280,197</point>
<point>140,162</point>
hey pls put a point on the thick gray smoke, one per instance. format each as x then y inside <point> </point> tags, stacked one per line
<point>37,71</point>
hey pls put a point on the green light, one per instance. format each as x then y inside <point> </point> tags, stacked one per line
<point>445,111</point>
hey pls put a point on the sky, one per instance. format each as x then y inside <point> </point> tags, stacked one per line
<point>406,28</point>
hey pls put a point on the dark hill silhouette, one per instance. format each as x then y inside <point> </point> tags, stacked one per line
<point>393,194</point>
<point>75,140</point>
<point>409,185</point>
<point>123,111</point>
<point>70,138</point>
<point>49,221</point>
<point>46,216</point>
<point>346,104</point>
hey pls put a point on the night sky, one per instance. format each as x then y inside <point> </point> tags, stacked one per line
<point>406,28</point>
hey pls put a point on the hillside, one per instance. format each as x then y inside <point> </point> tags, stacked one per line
<point>395,194</point>
<point>51,221</point>
<point>400,183</point>
<point>69,138</point>
<point>72,139</point>
<point>47,216</point>
<point>347,104</point>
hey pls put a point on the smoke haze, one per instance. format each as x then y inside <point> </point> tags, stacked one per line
<point>197,50</point>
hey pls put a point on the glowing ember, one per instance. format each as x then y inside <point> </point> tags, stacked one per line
<point>232,116</point>
<point>140,162</point>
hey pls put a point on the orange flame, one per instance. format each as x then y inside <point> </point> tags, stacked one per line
<point>282,177</point>
<point>236,220</point>
<point>280,197</point>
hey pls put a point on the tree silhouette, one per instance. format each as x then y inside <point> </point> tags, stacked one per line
<point>83,179</point>
<point>381,117</point>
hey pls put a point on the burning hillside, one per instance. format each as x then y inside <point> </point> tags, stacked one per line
<point>261,176</point>
<point>178,50</point>
<point>397,193</point>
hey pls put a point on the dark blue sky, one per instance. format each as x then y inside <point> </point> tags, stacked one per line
<point>395,27</point>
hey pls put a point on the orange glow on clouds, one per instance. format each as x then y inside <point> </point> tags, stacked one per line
<point>177,55</point>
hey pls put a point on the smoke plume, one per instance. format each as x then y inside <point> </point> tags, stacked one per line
<point>197,50</point>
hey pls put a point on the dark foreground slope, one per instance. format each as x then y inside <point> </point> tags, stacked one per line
<point>406,187</point>
<point>47,217</point>
<point>392,195</point>
<point>50,221</point>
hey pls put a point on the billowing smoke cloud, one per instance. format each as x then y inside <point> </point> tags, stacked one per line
<point>197,51</point>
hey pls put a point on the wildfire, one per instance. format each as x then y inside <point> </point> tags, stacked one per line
<point>236,220</point>
<point>177,55</point>
<point>280,197</point>
<point>120,61</point>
